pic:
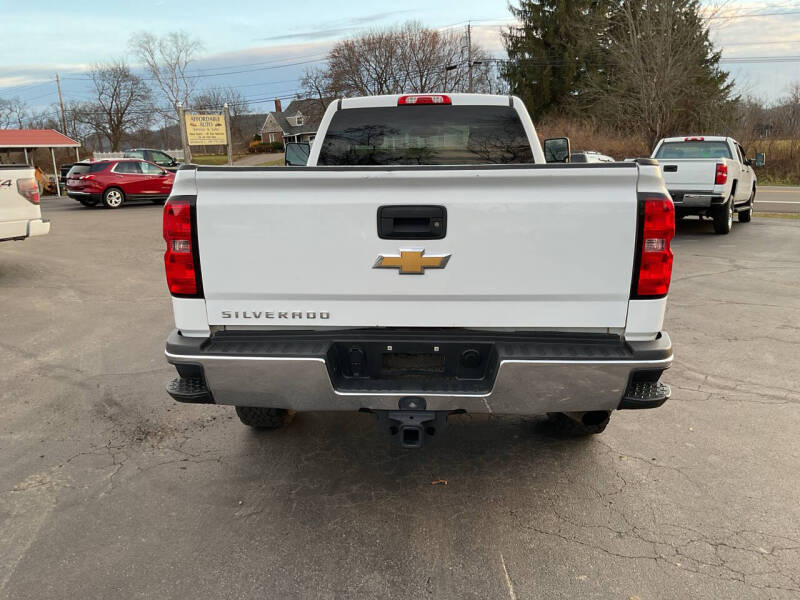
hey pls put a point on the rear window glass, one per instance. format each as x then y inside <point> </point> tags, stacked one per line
<point>134,154</point>
<point>425,135</point>
<point>694,150</point>
<point>160,157</point>
<point>85,168</point>
<point>149,169</point>
<point>132,166</point>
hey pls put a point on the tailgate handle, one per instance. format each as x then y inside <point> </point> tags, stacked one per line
<point>671,168</point>
<point>414,222</point>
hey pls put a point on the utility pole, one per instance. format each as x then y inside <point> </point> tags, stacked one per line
<point>469,53</point>
<point>61,103</point>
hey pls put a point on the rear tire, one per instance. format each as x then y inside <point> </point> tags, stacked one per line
<point>590,423</point>
<point>723,217</point>
<point>113,198</point>
<point>262,418</point>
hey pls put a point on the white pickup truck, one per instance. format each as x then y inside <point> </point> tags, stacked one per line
<point>20,214</point>
<point>709,176</point>
<point>427,261</point>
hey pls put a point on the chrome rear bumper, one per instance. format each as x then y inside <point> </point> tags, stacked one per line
<point>587,381</point>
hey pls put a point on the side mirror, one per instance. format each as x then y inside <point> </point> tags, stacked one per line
<point>761,159</point>
<point>556,150</point>
<point>297,154</point>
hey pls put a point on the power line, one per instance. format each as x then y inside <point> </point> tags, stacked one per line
<point>269,62</point>
<point>757,43</point>
<point>23,86</point>
<point>305,62</point>
<point>751,15</point>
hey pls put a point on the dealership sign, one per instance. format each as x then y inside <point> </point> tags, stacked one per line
<point>206,129</point>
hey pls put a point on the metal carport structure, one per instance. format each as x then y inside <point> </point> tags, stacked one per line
<point>30,139</point>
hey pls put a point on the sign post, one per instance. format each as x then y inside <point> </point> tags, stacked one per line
<point>187,153</point>
<point>228,133</point>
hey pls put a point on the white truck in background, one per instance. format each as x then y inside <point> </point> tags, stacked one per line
<point>709,176</point>
<point>426,261</point>
<point>20,214</point>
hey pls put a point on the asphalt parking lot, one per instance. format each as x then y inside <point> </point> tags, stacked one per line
<point>109,489</point>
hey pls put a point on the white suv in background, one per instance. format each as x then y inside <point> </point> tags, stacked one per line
<point>20,215</point>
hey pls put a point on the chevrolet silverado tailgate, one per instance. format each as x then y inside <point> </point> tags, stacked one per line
<point>695,175</point>
<point>526,246</point>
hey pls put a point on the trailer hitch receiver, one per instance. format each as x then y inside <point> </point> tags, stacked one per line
<point>409,427</point>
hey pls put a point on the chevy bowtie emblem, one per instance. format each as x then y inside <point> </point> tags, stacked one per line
<point>412,261</point>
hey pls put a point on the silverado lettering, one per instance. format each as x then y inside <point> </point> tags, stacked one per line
<point>257,314</point>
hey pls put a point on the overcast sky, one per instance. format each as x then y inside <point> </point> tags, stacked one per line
<point>40,38</point>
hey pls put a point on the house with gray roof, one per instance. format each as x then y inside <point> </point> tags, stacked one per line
<point>298,123</point>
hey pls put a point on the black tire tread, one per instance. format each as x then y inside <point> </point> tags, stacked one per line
<point>259,417</point>
<point>720,216</point>
<point>744,216</point>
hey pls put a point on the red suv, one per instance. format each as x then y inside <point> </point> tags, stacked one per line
<point>114,181</point>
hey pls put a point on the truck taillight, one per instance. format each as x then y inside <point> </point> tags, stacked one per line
<point>655,258</point>
<point>182,260</point>
<point>721,176</point>
<point>415,99</point>
<point>29,189</point>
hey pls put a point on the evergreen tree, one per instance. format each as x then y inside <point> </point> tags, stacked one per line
<point>644,66</point>
<point>553,51</point>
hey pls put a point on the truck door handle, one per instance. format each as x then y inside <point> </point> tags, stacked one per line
<point>413,222</point>
<point>670,168</point>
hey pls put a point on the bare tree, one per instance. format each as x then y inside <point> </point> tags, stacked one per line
<point>123,103</point>
<point>216,97</point>
<point>789,112</point>
<point>13,113</point>
<point>167,58</point>
<point>410,58</point>
<point>317,85</point>
<point>43,119</point>
<point>652,49</point>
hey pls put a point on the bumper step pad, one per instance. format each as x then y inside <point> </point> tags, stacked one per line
<point>190,389</point>
<point>645,394</point>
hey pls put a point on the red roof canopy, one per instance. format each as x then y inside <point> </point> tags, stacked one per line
<point>35,138</point>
